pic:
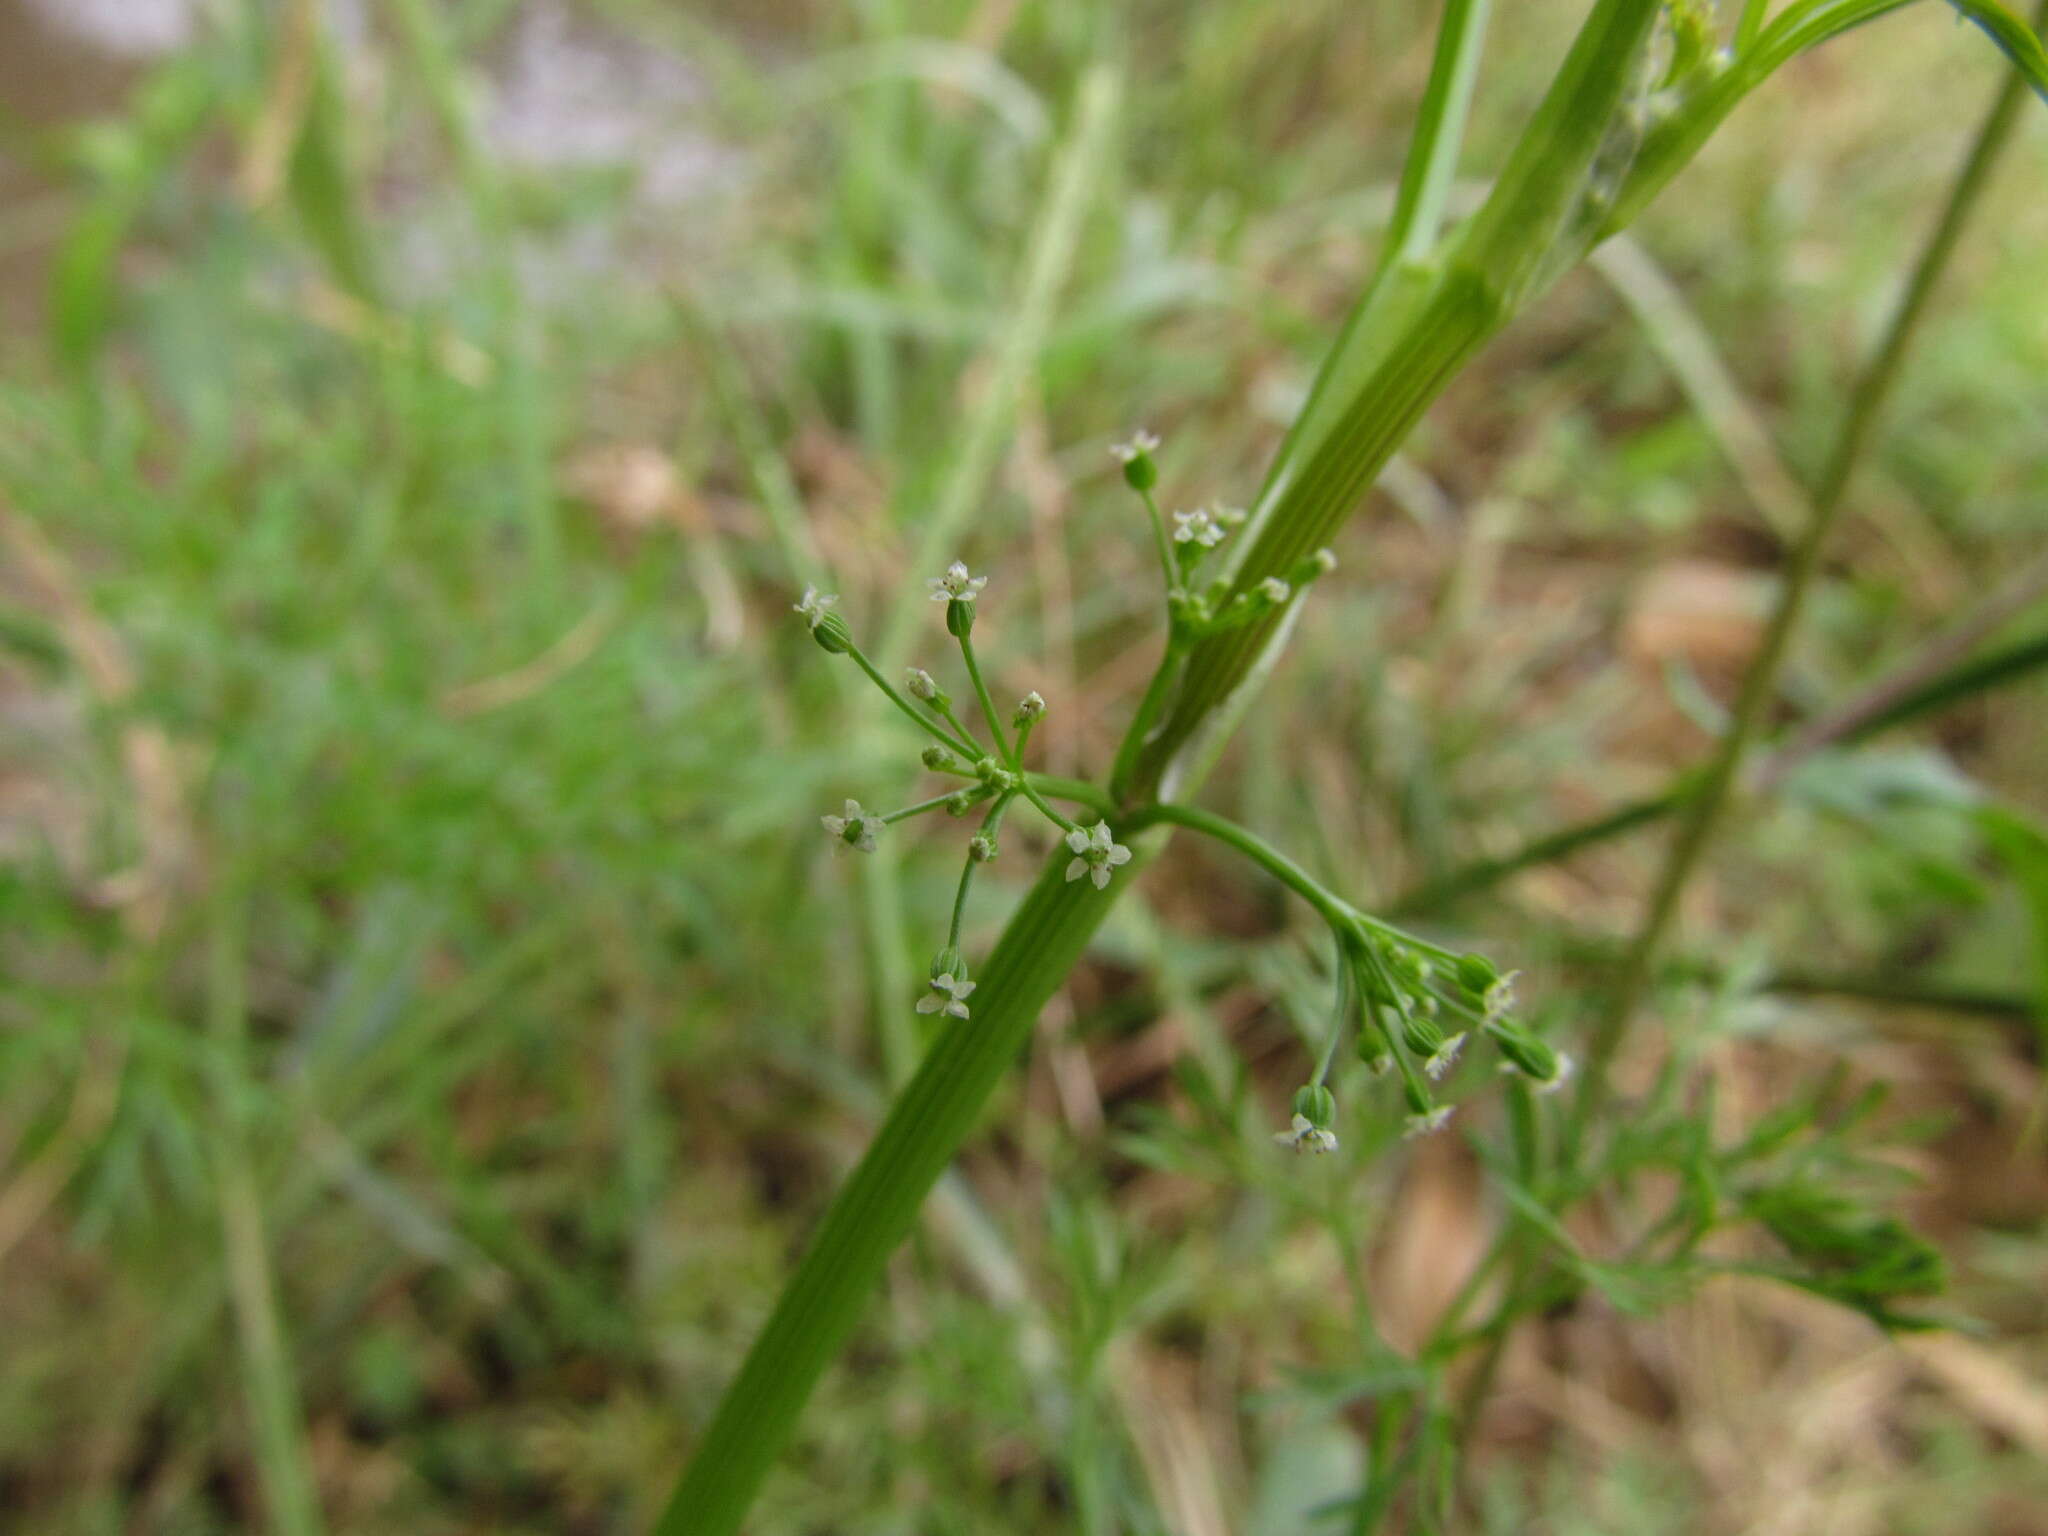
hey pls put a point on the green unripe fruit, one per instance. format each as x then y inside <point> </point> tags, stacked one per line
<point>1315,1104</point>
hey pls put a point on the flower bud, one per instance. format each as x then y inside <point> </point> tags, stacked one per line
<point>981,848</point>
<point>961,801</point>
<point>1372,1050</point>
<point>921,686</point>
<point>1030,710</point>
<point>1309,567</point>
<point>939,760</point>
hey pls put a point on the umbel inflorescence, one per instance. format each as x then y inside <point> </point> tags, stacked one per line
<point>1410,1005</point>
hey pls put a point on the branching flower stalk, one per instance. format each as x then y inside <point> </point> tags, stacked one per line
<point>1611,131</point>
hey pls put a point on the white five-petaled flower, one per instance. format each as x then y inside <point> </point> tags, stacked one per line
<point>1306,1136</point>
<point>1444,1057</point>
<point>1424,1125</point>
<point>948,995</point>
<point>1500,997</point>
<point>1096,853</point>
<point>856,829</point>
<point>956,586</point>
<point>1139,444</point>
<point>815,606</point>
<point>1197,527</point>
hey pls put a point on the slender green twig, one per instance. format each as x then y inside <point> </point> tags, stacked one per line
<point>988,707</point>
<point>1703,808</point>
<point>1168,570</point>
<point>1880,707</point>
<point>932,804</point>
<point>1030,789</point>
<point>923,721</point>
<point>989,826</point>
<point>1334,909</point>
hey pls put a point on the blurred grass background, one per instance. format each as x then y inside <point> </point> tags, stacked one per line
<point>430,1021</point>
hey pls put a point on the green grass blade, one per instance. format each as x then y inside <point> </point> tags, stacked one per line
<point>1046,267</point>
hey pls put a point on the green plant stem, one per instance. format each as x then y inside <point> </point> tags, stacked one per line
<point>1334,909</point>
<point>879,1202</point>
<point>1752,22</point>
<point>1993,669</point>
<point>920,808</point>
<point>1704,807</point>
<point>1044,809</point>
<point>1432,162</point>
<point>1157,691</point>
<point>1382,376</point>
<point>988,707</point>
<point>989,825</point>
<point>943,707</point>
<point>1077,791</point>
<point>923,721</point>
<point>1167,567</point>
<point>1547,849</point>
<point>1887,708</point>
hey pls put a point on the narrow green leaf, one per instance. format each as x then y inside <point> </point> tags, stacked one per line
<point>321,190</point>
<point>2015,39</point>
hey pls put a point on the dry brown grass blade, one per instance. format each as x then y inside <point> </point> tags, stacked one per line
<point>30,1191</point>
<point>569,652</point>
<point>1157,1401</point>
<point>142,892</point>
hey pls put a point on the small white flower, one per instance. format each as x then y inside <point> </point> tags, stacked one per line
<point>948,995</point>
<point>1444,1058</point>
<point>1030,710</point>
<point>1565,1067</point>
<point>1096,853</point>
<point>856,829</point>
<point>1500,998</point>
<point>1197,527</point>
<point>1276,590</point>
<point>1139,444</point>
<point>920,684</point>
<point>1429,1124</point>
<point>815,606</point>
<point>1305,1136</point>
<point>956,586</point>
